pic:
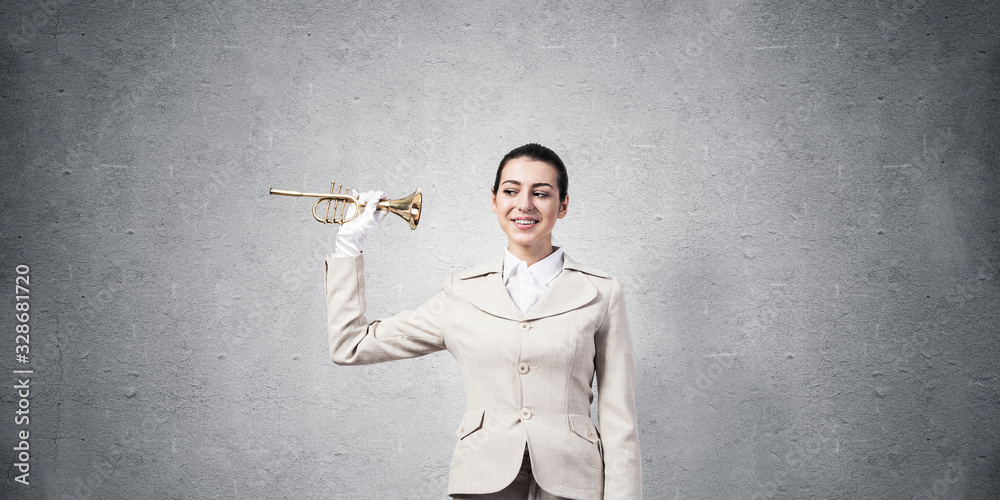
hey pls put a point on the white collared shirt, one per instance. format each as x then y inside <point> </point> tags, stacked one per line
<point>526,284</point>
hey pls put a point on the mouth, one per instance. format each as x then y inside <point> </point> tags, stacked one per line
<point>524,223</point>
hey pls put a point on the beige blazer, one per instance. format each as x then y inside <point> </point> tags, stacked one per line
<point>527,376</point>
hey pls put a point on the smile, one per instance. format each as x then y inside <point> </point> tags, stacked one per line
<point>525,222</point>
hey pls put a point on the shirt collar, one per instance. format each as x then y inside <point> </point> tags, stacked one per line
<point>544,271</point>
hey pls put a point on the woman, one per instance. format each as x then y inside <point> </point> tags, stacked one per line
<point>530,331</point>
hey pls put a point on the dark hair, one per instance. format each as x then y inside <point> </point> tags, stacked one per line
<point>540,153</point>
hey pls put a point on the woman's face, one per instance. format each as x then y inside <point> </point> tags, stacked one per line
<point>527,206</point>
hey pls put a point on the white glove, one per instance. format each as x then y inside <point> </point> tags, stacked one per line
<point>352,236</point>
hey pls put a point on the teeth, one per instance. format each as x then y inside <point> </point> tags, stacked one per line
<point>525,221</point>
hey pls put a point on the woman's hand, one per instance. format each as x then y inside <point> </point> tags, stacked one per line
<point>352,236</point>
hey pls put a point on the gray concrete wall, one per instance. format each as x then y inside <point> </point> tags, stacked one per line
<point>801,198</point>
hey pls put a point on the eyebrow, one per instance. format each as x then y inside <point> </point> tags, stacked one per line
<point>535,185</point>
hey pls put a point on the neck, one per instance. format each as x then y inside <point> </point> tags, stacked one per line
<point>532,254</point>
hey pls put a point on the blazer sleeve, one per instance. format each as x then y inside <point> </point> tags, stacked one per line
<point>356,341</point>
<point>615,366</point>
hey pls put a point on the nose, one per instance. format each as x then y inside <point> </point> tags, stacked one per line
<point>525,202</point>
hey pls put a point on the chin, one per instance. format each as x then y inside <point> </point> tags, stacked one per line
<point>526,241</point>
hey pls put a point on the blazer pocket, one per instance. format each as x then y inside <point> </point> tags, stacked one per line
<point>588,450</point>
<point>472,421</point>
<point>584,427</point>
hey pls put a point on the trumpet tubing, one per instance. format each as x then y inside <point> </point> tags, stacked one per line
<point>346,208</point>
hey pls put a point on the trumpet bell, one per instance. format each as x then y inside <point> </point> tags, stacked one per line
<point>407,207</point>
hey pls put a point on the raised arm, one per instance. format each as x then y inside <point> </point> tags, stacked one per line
<point>356,341</point>
<point>353,339</point>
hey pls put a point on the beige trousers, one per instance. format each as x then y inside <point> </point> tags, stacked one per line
<point>523,487</point>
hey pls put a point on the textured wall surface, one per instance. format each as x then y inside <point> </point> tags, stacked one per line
<point>801,197</point>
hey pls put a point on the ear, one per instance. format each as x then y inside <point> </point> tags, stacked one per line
<point>493,201</point>
<point>563,207</point>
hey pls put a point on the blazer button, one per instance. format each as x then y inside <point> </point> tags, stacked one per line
<point>591,434</point>
<point>524,327</point>
<point>461,430</point>
<point>525,413</point>
<point>523,368</point>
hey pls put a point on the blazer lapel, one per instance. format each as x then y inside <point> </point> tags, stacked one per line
<point>490,295</point>
<point>570,290</point>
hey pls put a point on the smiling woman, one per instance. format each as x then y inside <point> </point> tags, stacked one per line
<point>530,331</point>
<point>528,205</point>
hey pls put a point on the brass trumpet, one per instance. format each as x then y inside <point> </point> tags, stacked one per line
<point>339,200</point>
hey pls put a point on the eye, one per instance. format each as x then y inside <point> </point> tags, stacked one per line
<point>541,194</point>
<point>509,192</point>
